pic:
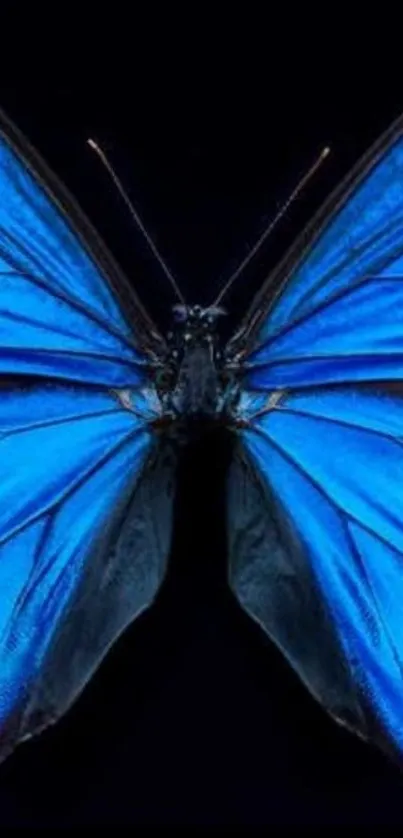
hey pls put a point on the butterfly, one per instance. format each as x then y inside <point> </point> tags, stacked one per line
<point>95,403</point>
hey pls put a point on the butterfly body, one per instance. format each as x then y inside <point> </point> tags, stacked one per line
<point>198,390</point>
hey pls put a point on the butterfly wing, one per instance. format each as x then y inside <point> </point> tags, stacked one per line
<point>59,310</point>
<point>81,553</point>
<point>322,448</point>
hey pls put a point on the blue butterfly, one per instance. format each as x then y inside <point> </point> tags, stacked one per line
<point>94,403</point>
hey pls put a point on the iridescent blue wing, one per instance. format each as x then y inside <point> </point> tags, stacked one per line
<point>80,555</point>
<point>59,289</point>
<point>322,447</point>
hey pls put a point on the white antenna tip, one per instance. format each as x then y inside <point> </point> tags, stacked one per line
<point>92,144</point>
<point>325,151</point>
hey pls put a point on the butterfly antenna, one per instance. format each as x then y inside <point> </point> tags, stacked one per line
<point>101,154</point>
<point>294,194</point>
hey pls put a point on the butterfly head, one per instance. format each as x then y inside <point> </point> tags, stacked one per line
<point>194,328</point>
<point>195,323</point>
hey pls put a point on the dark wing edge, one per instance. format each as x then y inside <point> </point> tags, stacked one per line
<point>143,328</point>
<point>271,290</point>
<point>272,581</point>
<point>123,574</point>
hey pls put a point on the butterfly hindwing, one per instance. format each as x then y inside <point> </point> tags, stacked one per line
<point>276,586</point>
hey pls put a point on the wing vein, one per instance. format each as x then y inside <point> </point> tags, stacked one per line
<point>342,422</point>
<point>356,552</point>
<point>49,423</point>
<point>318,486</point>
<point>58,294</point>
<point>73,487</point>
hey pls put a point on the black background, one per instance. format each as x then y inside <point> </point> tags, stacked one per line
<point>194,718</point>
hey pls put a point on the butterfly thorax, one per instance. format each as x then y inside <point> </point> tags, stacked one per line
<point>194,384</point>
<point>195,348</point>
